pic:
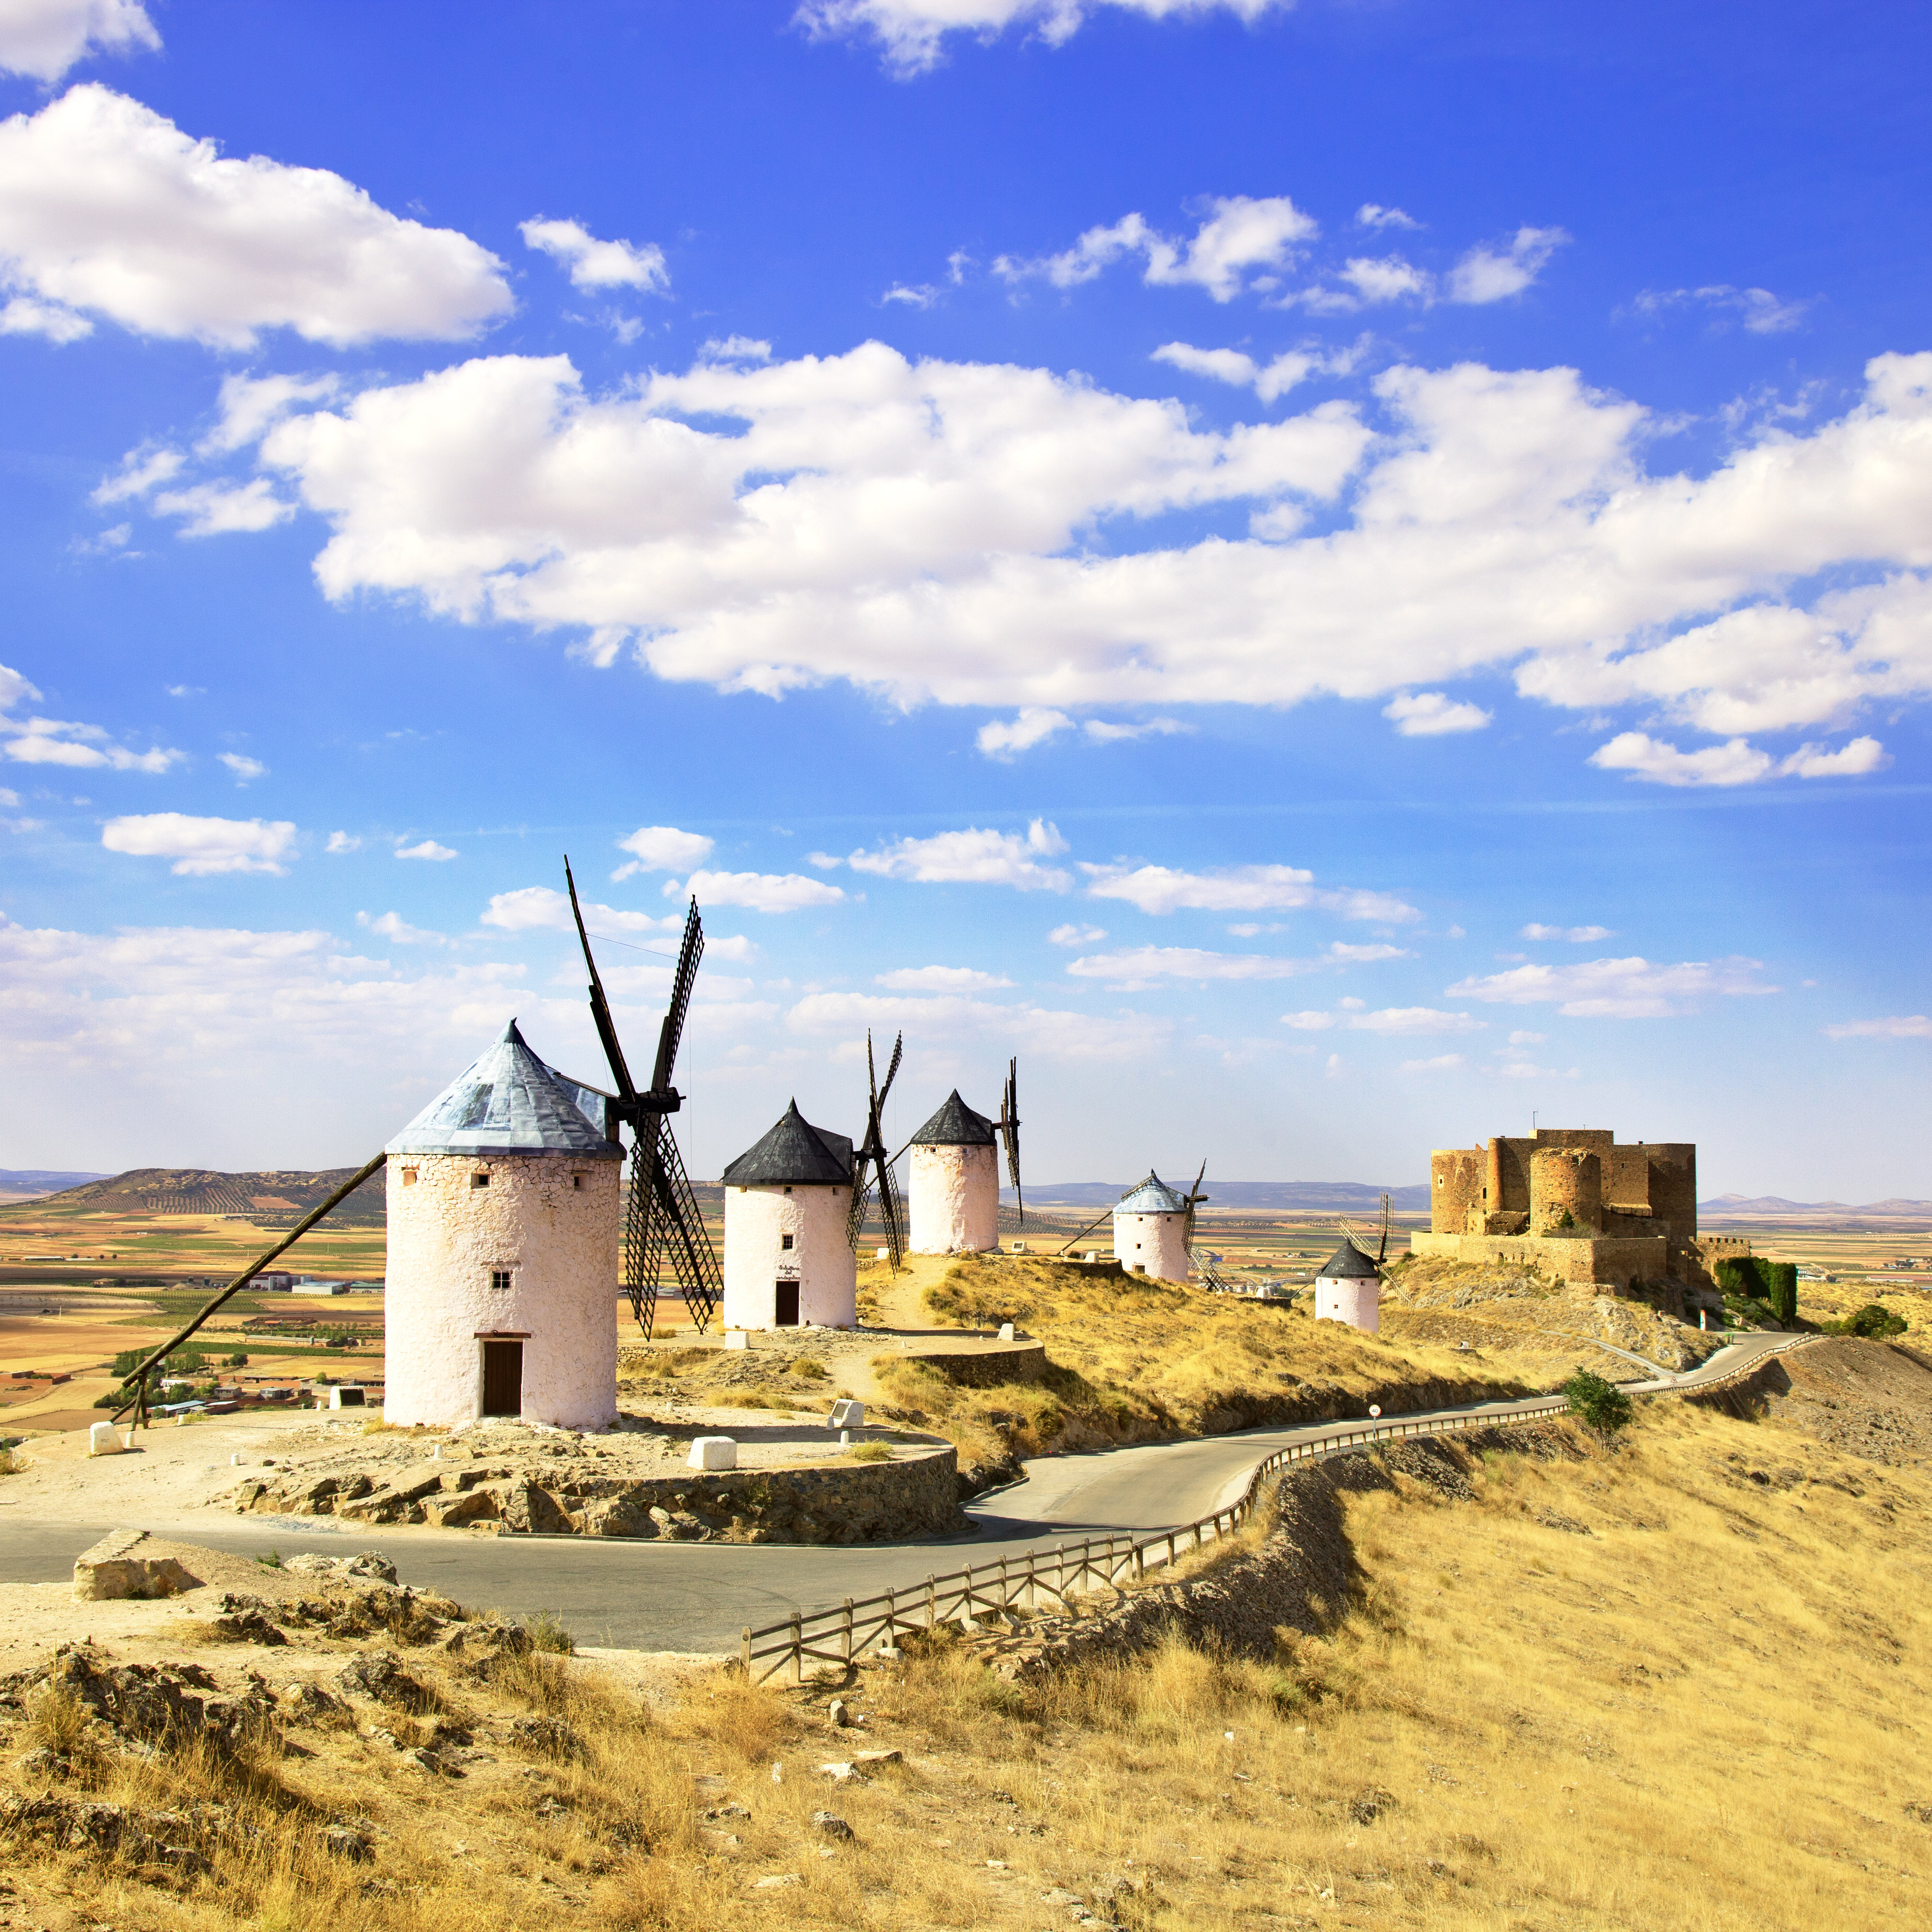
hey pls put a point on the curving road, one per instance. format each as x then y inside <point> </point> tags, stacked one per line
<point>697,1597</point>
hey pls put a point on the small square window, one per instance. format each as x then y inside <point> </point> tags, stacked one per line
<point>784,1240</point>
<point>479,1180</point>
<point>499,1278</point>
<point>409,1176</point>
<point>577,1181</point>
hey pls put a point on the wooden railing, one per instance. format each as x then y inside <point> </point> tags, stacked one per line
<point>1054,1576</point>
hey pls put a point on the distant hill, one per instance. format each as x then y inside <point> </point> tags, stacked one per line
<point>29,1183</point>
<point>276,1198</point>
<point>1321,1197</point>
<point>1729,1206</point>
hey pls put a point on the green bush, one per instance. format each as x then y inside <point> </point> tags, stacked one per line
<point>1750,1278</point>
<point>546,1633</point>
<point>1601,1404</point>
<point>1873,1321</point>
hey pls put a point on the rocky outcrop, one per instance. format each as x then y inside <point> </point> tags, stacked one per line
<point>915,1495</point>
<point>118,1566</point>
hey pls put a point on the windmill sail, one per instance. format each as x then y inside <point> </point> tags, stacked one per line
<point>1008,1128</point>
<point>1201,1263</point>
<point>663,1232</point>
<point>871,1168</point>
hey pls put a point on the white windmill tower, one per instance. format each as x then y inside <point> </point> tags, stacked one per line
<point>1154,1224</point>
<point>788,1259</point>
<point>503,1212</point>
<point>1349,1289</point>
<point>955,1182</point>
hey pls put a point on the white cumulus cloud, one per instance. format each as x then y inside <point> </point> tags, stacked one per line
<point>43,38</point>
<point>1903,1026</point>
<point>1147,965</point>
<point>1432,714</point>
<point>940,979</point>
<point>1761,312</point>
<point>58,741</point>
<point>427,848</point>
<point>1622,989</point>
<point>761,892</point>
<point>974,857</point>
<point>1076,935</point>
<point>220,509</point>
<point>1577,935</point>
<point>1490,275</point>
<point>393,927</point>
<point>1735,762</point>
<point>1161,889</point>
<point>1241,233</point>
<point>544,909</point>
<point>199,846</point>
<point>1006,738</point>
<point>593,264</point>
<point>911,34</point>
<point>1037,1031</point>
<point>661,848</point>
<point>106,207</point>
<point>243,768</point>
<point>343,842</point>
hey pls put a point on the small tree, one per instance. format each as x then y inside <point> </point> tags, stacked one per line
<point>1601,1404</point>
<point>1876,1321</point>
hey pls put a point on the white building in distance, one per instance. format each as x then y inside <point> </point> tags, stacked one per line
<point>788,1261</point>
<point>955,1183</point>
<point>502,1250</point>
<point>1150,1231</point>
<point>1349,1289</point>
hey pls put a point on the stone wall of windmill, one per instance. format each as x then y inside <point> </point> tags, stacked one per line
<point>788,1261</point>
<point>503,1220</point>
<point>1150,1231</point>
<point>955,1183</point>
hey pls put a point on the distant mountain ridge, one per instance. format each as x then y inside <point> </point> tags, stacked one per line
<point>1730,1205</point>
<point>1353,1197</point>
<point>27,1183</point>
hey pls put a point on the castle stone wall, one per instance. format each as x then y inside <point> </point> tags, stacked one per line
<point>1565,1191</point>
<point>1456,1177</point>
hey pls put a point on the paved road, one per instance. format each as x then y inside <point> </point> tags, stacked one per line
<point>697,1597</point>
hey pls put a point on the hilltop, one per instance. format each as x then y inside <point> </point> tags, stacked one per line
<point>276,1197</point>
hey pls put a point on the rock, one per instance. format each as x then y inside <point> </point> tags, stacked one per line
<point>339,1841</point>
<point>1365,1807</point>
<point>865,1760</point>
<point>550,1735</point>
<point>529,1510</point>
<point>381,1676</point>
<point>481,1646</point>
<point>115,1568</point>
<point>42,1762</point>
<point>838,1773</point>
<point>838,1713</point>
<point>309,1703</point>
<point>776,1882</point>
<point>244,1620</point>
<point>829,1824</point>
<point>371,1563</point>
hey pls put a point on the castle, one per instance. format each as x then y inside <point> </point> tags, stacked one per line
<point>1574,1202</point>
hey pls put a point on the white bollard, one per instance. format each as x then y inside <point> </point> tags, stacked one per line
<point>883,1255</point>
<point>713,1452</point>
<point>103,1439</point>
<point>844,1438</point>
<point>1006,1331</point>
<point>847,1414</point>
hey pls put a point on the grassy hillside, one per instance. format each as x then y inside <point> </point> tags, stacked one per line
<point>1667,1685</point>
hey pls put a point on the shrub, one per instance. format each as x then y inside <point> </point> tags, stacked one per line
<point>547,1633</point>
<point>1601,1404</point>
<point>1873,1321</point>
<point>869,1452</point>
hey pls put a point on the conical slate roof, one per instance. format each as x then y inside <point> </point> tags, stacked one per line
<point>1153,1196</point>
<point>954,1125</point>
<point>796,1153</point>
<point>1349,1263</point>
<point>508,1102</point>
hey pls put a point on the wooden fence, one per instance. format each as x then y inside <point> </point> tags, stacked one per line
<point>1051,1578</point>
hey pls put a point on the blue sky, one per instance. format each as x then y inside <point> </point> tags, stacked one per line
<point>1334,577</point>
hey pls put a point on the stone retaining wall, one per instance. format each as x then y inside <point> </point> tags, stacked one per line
<point>913,1496</point>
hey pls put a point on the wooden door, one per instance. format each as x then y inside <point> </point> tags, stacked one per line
<point>503,1378</point>
<point>787,1316</point>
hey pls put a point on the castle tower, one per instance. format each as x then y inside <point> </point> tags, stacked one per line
<point>1150,1231</point>
<point>502,1252</point>
<point>1349,1289</point>
<point>955,1183</point>
<point>788,1261</point>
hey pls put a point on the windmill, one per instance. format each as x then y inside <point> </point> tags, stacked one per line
<point>1203,1264</point>
<point>662,1224</point>
<point>1381,1256</point>
<point>1007,1126</point>
<point>871,1168</point>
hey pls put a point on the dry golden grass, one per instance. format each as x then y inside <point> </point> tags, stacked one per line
<point>1704,1714</point>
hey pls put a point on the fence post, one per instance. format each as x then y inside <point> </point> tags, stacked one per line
<point>891,1622</point>
<point>931,1601</point>
<point>797,1648</point>
<point>745,1648</point>
<point>848,1629</point>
